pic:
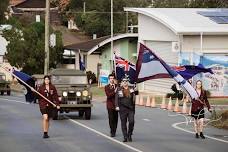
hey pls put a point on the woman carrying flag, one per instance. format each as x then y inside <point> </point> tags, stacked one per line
<point>49,91</point>
<point>197,111</point>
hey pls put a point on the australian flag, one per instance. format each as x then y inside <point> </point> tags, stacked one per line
<point>81,63</point>
<point>150,66</point>
<point>188,71</point>
<point>29,96</point>
<point>124,67</point>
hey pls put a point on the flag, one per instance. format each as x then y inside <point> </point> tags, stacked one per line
<point>29,96</point>
<point>81,63</point>
<point>124,67</point>
<point>188,71</point>
<point>150,66</point>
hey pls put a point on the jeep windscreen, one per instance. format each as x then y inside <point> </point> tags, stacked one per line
<point>2,77</point>
<point>69,80</point>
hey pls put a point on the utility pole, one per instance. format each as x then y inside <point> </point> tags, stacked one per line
<point>47,20</point>
<point>84,7</point>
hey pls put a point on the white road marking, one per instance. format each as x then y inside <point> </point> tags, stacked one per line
<point>146,120</point>
<point>14,101</point>
<point>175,125</point>
<point>110,138</point>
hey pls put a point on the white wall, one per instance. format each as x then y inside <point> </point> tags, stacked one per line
<point>150,29</point>
<point>3,44</point>
<point>211,44</point>
<point>92,61</point>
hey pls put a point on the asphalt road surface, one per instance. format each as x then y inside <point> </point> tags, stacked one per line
<point>156,130</point>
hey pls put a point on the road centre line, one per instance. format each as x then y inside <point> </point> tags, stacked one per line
<point>105,136</point>
<point>175,125</point>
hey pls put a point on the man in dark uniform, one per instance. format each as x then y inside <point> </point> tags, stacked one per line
<point>125,103</point>
<point>112,113</point>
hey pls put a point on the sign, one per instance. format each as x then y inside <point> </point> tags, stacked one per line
<point>37,18</point>
<point>52,40</point>
<point>217,83</point>
<point>104,76</point>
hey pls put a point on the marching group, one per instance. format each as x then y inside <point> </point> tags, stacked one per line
<point>121,99</point>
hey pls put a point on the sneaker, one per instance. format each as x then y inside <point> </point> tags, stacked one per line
<point>129,139</point>
<point>197,135</point>
<point>45,136</point>
<point>202,136</point>
<point>125,140</point>
<point>113,135</point>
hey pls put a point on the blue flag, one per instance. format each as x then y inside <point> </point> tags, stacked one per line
<point>150,66</point>
<point>124,67</point>
<point>81,63</point>
<point>29,96</point>
<point>188,71</point>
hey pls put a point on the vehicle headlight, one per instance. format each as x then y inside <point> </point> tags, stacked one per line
<point>78,93</point>
<point>64,93</point>
<point>85,93</point>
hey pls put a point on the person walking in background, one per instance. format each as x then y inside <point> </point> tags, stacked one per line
<point>125,103</point>
<point>112,113</point>
<point>197,111</point>
<point>49,91</point>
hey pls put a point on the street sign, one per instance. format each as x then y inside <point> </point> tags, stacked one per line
<point>52,40</point>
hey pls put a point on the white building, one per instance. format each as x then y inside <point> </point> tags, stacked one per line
<point>186,36</point>
<point>3,49</point>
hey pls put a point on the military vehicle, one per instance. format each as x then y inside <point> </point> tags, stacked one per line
<point>74,91</point>
<point>4,85</point>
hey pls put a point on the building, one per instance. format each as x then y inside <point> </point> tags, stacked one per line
<point>3,45</point>
<point>187,36</point>
<point>97,53</point>
<point>35,9</point>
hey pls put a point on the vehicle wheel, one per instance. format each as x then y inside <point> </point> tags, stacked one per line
<point>55,114</point>
<point>81,113</point>
<point>2,92</point>
<point>88,113</point>
<point>8,93</point>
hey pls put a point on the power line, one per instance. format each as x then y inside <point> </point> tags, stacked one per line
<point>91,12</point>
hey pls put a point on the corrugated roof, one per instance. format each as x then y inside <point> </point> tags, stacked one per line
<point>33,4</point>
<point>92,45</point>
<point>86,46</point>
<point>184,20</point>
<point>15,2</point>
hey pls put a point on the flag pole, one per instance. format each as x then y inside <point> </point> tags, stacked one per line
<point>114,61</point>
<point>29,86</point>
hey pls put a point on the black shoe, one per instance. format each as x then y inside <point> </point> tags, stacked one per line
<point>125,140</point>
<point>129,139</point>
<point>197,135</point>
<point>113,135</point>
<point>45,136</point>
<point>202,136</point>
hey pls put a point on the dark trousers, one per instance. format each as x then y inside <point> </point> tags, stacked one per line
<point>113,120</point>
<point>127,115</point>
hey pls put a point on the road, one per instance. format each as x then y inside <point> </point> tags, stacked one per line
<point>156,130</point>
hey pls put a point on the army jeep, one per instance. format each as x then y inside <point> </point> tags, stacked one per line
<point>74,91</point>
<point>4,85</point>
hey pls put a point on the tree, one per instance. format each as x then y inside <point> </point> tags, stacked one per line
<point>3,8</point>
<point>26,47</point>
<point>96,20</point>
